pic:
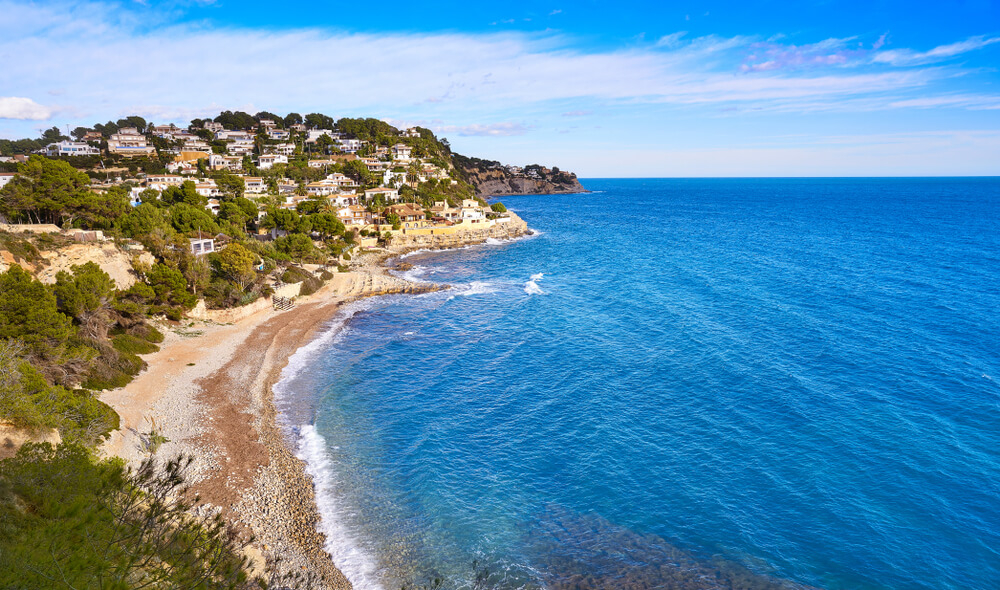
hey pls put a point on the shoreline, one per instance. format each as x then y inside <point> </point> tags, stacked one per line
<point>210,391</point>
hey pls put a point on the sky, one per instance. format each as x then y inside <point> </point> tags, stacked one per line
<point>604,89</point>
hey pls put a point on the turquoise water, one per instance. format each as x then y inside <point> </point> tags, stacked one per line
<point>676,384</point>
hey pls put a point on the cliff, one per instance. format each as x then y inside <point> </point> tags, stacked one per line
<point>492,178</point>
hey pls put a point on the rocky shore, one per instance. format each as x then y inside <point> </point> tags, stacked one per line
<point>209,390</point>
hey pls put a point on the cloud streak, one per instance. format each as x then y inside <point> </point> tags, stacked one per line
<point>907,57</point>
<point>197,71</point>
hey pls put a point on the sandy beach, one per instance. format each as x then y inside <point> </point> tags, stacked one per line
<point>209,391</point>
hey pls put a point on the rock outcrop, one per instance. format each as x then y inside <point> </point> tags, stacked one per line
<point>494,179</point>
<point>513,228</point>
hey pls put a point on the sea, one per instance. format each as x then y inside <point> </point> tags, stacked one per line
<point>674,383</point>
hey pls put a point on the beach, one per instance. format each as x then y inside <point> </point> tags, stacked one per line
<point>209,392</point>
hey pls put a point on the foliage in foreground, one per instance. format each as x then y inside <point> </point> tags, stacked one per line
<point>70,521</point>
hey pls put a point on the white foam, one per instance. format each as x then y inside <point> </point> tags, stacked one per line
<point>350,558</point>
<point>473,288</point>
<point>531,287</point>
<point>414,274</point>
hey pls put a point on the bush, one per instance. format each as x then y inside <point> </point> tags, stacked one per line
<point>310,286</point>
<point>130,344</point>
<point>150,334</point>
<point>326,275</point>
<point>89,523</point>
<point>27,400</point>
<point>294,275</point>
<point>113,369</point>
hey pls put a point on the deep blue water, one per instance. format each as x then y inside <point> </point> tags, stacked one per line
<point>799,377</point>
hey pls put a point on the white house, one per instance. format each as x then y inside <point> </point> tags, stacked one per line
<point>387,194</point>
<point>239,147</point>
<point>254,184</point>
<point>71,148</point>
<point>285,149</point>
<point>128,142</point>
<point>212,126</point>
<point>224,135</point>
<point>202,246</point>
<point>355,215</point>
<point>160,182</point>
<point>315,134</point>
<point>343,199</point>
<point>350,146</point>
<point>278,134</point>
<point>221,162</point>
<point>375,165</point>
<point>322,188</point>
<point>268,160</point>
<point>207,188</point>
<point>411,132</point>
<point>390,178</point>
<point>5,177</point>
<point>401,152</point>
<point>472,212</point>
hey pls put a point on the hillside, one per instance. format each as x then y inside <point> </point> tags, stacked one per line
<point>491,178</point>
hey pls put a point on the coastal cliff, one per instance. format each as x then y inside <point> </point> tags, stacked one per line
<point>492,178</point>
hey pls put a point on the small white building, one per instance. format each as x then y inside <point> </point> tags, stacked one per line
<point>5,177</point>
<point>401,152</point>
<point>387,194</point>
<point>254,184</point>
<point>284,149</point>
<point>355,215</point>
<point>350,146</point>
<point>129,142</point>
<point>268,160</point>
<point>239,147</point>
<point>71,148</point>
<point>278,134</point>
<point>160,182</point>
<point>314,134</point>
<point>201,246</point>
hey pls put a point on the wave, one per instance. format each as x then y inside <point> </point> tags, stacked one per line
<point>294,415</point>
<point>531,287</point>
<point>359,566</point>
<point>473,288</point>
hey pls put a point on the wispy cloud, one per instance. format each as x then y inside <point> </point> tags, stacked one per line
<point>477,130</point>
<point>908,57</point>
<point>177,72</point>
<point>577,113</point>
<point>25,109</point>
<point>774,56</point>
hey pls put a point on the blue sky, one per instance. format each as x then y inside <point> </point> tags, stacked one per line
<point>822,88</point>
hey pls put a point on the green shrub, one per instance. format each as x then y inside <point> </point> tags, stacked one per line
<point>310,286</point>
<point>326,275</point>
<point>89,523</point>
<point>130,344</point>
<point>151,334</point>
<point>112,370</point>
<point>295,275</point>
